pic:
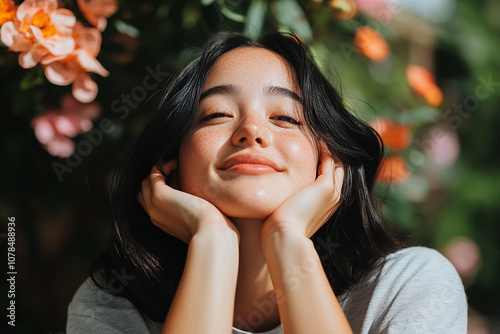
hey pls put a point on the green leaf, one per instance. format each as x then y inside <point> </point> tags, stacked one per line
<point>420,115</point>
<point>290,14</point>
<point>207,2</point>
<point>126,28</point>
<point>322,56</point>
<point>33,78</point>
<point>255,18</point>
<point>232,15</point>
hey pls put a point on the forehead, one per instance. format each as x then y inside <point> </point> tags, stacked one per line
<point>251,65</point>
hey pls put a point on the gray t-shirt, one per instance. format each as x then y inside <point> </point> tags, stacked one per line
<point>417,290</point>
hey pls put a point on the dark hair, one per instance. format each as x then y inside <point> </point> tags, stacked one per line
<point>349,244</point>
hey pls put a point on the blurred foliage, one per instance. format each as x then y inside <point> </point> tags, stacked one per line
<point>61,218</point>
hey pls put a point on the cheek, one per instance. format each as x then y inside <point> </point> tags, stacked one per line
<point>195,155</point>
<point>303,156</point>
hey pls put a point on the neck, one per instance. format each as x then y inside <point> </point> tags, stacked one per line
<point>255,307</point>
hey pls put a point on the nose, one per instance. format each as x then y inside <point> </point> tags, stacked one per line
<point>252,131</point>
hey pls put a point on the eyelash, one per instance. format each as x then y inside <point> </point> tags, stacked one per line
<point>289,118</point>
<point>214,114</point>
<point>286,117</point>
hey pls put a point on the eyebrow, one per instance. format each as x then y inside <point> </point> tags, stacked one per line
<point>220,90</point>
<point>281,91</point>
<point>233,89</point>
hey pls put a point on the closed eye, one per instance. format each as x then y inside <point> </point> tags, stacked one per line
<point>213,115</point>
<point>287,118</point>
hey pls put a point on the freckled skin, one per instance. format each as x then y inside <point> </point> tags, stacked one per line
<point>250,123</point>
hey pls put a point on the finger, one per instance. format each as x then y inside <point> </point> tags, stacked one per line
<point>145,195</point>
<point>140,199</point>
<point>145,189</point>
<point>158,185</point>
<point>339,178</point>
<point>327,163</point>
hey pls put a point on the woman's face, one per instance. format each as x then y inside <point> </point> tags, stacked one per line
<point>248,149</point>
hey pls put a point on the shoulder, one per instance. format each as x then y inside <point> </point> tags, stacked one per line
<point>415,289</point>
<point>421,261</point>
<point>421,273</point>
<point>93,310</point>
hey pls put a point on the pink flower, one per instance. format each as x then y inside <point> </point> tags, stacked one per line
<point>75,67</point>
<point>39,29</point>
<point>97,11</point>
<point>442,145</point>
<point>383,10</point>
<point>55,128</point>
<point>465,255</point>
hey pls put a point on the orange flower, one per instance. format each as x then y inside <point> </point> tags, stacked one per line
<point>394,136</point>
<point>7,11</point>
<point>39,29</point>
<point>371,44</point>
<point>422,82</point>
<point>75,67</point>
<point>393,170</point>
<point>97,11</point>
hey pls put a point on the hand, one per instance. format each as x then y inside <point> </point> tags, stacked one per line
<point>178,213</point>
<point>307,210</point>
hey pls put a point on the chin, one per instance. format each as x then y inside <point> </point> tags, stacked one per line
<point>250,207</point>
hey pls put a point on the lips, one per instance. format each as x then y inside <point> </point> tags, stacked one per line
<point>250,164</point>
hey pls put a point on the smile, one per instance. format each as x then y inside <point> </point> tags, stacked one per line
<point>250,164</point>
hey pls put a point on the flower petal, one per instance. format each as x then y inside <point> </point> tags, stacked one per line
<point>50,58</point>
<point>32,57</point>
<point>20,43</point>
<point>44,131</point>
<point>61,147</point>
<point>88,39</point>
<point>63,17</point>
<point>66,125</point>
<point>57,45</point>
<point>62,47</point>
<point>90,64</point>
<point>96,11</point>
<point>84,89</point>
<point>50,6</point>
<point>9,34</point>
<point>59,74</point>
<point>26,8</point>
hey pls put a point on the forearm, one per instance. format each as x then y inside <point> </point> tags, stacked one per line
<point>204,301</point>
<point>305,298</point>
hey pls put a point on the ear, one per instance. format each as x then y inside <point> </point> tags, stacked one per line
<point>171,173</point>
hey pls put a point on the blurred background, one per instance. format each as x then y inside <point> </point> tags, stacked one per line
<point>77,78</point>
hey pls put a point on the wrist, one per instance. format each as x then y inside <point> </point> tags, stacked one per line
<point>280,236</point>
<point>275,228</point>
<point>217,232</point>
<point>214,226</point>
<point>218,245</point>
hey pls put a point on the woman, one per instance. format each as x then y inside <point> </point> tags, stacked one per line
<point>257,215</point>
